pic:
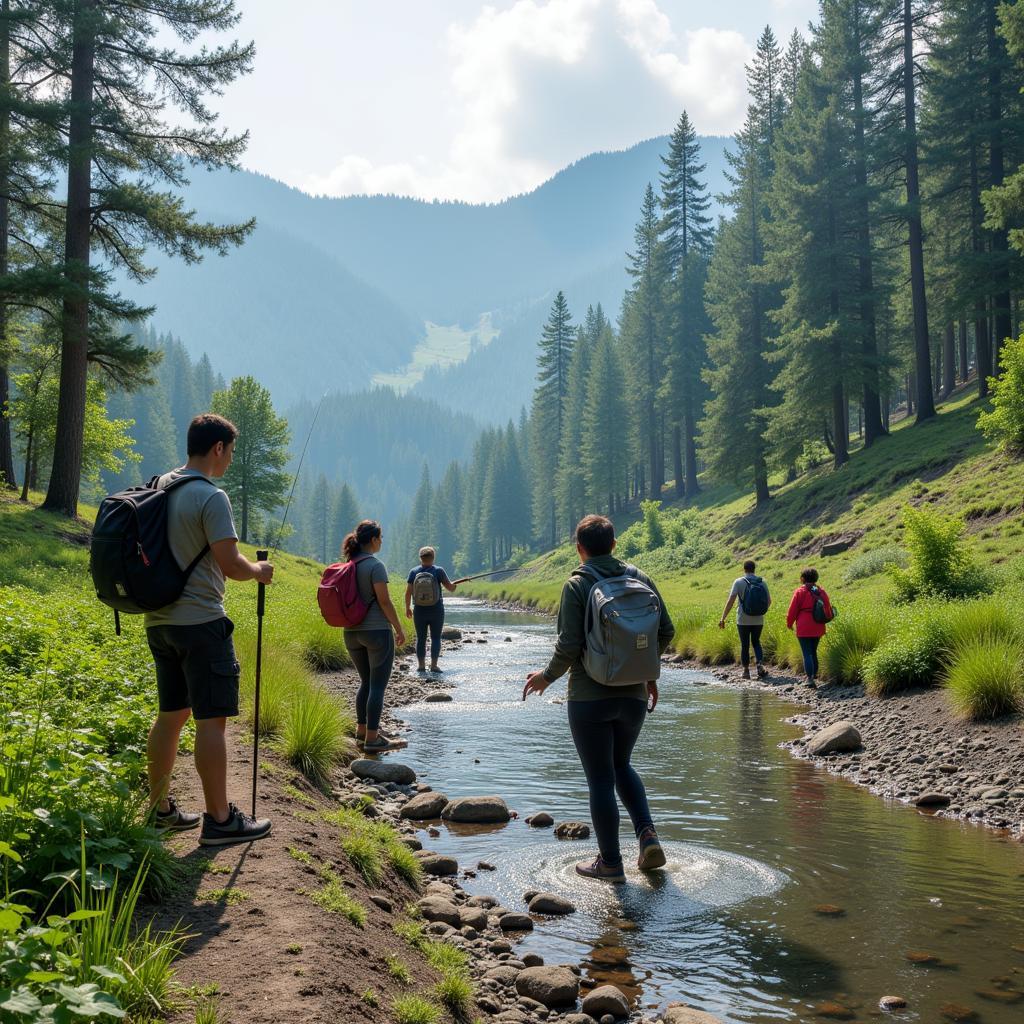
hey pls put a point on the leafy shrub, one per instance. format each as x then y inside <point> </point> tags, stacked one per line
<point>984,678</point>
<point>1004,424</point>
<point>871,563</point>
<point>939,563</point>
<point>910,656</point>
<point>667,541</point>
<point>654,533</point>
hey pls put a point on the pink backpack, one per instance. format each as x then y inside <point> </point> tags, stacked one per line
<point>338,595</point>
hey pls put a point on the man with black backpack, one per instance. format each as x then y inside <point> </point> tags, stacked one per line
<point>750,595</point>
<point>613,628</point>
<point>190,639</point>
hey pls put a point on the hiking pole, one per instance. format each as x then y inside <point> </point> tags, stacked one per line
<point>261,602</point>
<point>481,575</point>
<point>298,470</point>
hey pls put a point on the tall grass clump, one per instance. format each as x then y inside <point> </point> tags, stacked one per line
<point>911,655</point>
<point>324,646</point>
<point>688,624</point>
<point>282,677</point>
<point>416,1010</point>
<point>990,618</point>
<point>716,646</point>
<point>315,733</point>
<point>871,563</point>
<point>984,678</point>
<point>370,845</point>
<point>940,565</point>
<point>850,639</point>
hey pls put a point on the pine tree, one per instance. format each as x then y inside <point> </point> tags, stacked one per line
<point>421,517</point>
<point>605,458</point>
<point>571,480</point>
<point>344,517</point>
<point>546,419</point>
<point>687,239</point>
<point>119,81</point>
<point>204,382</point>
<point>319,509</point>
<point>257,481</point>
<point>516,518</point>
<point>643,338</point>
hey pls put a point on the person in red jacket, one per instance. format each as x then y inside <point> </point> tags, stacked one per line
<point>809,630</point>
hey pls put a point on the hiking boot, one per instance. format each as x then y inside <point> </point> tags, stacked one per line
<point>651,854</point>
<point>383,742</point>
<point>812,684</point>
<point>239,828</point>
<point>598,868</point>
<point>174,819</point>
<point>421,667</point>
<point>762,672</point>
<point>434,668</point>
<point>745,674</point>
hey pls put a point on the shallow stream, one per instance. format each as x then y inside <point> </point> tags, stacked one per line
<point>790,894</point>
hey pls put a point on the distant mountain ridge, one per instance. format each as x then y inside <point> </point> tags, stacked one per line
<point>330,291</point>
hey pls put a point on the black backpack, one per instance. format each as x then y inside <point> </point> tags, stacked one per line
<point>819,612</point>
<point>755,598</point>
<point>132,565</point>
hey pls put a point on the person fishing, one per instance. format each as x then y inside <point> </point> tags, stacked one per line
<point>424,604</point>
<point>607,715</point>
<point>371,643</point>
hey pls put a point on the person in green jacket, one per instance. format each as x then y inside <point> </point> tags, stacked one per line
<point>605,721</point>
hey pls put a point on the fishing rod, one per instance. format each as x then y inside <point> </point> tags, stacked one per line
<point>481,575</point>
<point>298,470</point>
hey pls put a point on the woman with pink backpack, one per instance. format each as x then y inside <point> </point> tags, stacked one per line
<point>810,611</point>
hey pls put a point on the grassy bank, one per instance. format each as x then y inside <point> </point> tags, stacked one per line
<point>973,644</point>
<point>76,702</point>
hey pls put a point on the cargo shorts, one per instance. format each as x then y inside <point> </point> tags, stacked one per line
<point>196,668</point>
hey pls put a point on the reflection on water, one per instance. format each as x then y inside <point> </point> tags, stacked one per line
<point>789,894</point>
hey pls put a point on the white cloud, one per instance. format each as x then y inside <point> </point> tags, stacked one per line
<point>543,82</point>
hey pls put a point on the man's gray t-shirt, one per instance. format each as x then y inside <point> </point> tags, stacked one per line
<point>197,514</point>
<point>369,570</point>
<point>739,591</point>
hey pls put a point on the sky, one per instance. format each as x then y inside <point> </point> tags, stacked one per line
<point>454,99</point>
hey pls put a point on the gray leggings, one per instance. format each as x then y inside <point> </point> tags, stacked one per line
<point>373,653</point>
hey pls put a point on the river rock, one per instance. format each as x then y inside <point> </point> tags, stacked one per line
<point>437,908</point>
<point>503,974</point>
<point>679,1014</point>
<point>890,1003</point>
<point>424,806</point>
<point>552,986</point>
<point>533,960</point>
<point>606,999</point>
<point>479,809</point>
<point>551,903</point>
<point>474,917</point>
<point>572,830</point>
<point>437,863</point>
<point>540,820</point>
<point>933,799</point>
<point>438,697</point>
<point>840,737</point>
<point>483,901</point>
<point>383,771</point>
<point>513,922</point>
<point>451,633</point>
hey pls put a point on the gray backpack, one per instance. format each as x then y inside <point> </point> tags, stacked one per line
<point>621,629</point>
<point>426,591</point>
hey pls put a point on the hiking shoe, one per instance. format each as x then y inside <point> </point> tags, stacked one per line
<point>651,854</point>
<point>383,742</point>
<point>598,868</point>
<point>239,828</point>
<point>174,819</point>
<point>434,668</point>
<point>762,672</point>
<point>812,684</point>
<point>746,673</point>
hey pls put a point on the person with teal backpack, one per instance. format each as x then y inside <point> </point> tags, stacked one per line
<point>750,595</point>
<point>424,604</point>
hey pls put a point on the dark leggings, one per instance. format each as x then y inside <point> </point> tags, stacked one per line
<point>809,645</point>
<point>750,635</point>
<point>432,616</point>
<point>372,652</point>
<point>605,732</point>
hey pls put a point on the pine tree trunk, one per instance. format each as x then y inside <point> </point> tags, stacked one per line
<point>982,350</point>
<point>66,474</point>
<point>962,347</point>
<point>690,427</point>
<point>8,476</point>
<point>1001,272</point>
<point>949,359</point>
<point>761,494</point>
<point>28,464</point>
<point>873,425</point>
<point>677,460</point>
<point>922,349</point>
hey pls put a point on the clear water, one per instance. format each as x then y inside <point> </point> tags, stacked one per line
<point>757,844</point>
